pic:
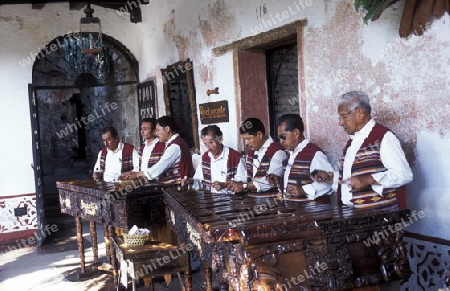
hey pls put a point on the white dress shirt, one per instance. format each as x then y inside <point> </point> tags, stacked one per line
<point>319,162</point>
<point>219,168</point>
<point>171,156</point>
<point>147,152</point>
<point>275,166</point>
<point>392,156</point>
<point>113,163</point>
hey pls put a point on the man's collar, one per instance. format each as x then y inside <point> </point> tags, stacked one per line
<point>266,144</point>
<point>221,156</point>
<point>155,140</point>
<point>299,147</point>
<point>365,130</point>
<point>172,138</point>
<point>119,147</point>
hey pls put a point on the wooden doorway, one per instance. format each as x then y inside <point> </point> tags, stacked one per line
<point>268,79</point>
<point>180,100</point>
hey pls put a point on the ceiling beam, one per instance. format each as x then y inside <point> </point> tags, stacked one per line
<point>130,6</point>
<point>37,5</point>
<point>76,5</point>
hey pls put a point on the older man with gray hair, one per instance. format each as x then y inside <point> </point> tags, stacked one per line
<point>373,169</point>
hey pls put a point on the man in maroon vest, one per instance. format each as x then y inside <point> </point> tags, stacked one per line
<point>265,157</point>
<point>175,165</point>
<point>373,168</point>
<point>151,149</point>
<point>304,157</point>
<point>115,157</point>
<point>219,163</point>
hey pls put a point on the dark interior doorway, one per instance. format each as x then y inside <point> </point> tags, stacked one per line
<point>79,148</point>
<point>180,108</point>
<point>282,81</point>
<point>70,102</point>
<point>180,101</point>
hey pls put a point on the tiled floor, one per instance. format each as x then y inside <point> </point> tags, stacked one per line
<point>56,266</point>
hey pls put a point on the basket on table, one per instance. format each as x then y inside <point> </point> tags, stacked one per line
<point>134,240</point>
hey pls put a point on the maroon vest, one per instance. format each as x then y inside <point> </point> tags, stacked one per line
<point>127,158</point>
<point>300,173</point>
<point>367,161</point>
<point>183,168</point>
<point>232,164</point>
<point>157,152</point>
<point>264,161</point>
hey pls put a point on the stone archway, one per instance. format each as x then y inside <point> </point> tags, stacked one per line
<point>61,62</point>
<point>76,96</point>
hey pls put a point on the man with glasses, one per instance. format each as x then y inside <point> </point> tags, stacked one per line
<point>304,157</point>
<point>115,158</point>
<point>373,169</point>
<point>265,157</point>
<point>219,163</point>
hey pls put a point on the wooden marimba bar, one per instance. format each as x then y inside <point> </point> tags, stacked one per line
<point>262,243</point>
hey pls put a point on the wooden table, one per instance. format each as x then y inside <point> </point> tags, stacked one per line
<point>265,243</point>
<point>154,259</point>
<point>115,205</point>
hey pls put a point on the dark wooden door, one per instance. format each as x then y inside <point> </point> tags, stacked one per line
<point>37,163</point>
<point>180,100</point>
<point>147,101</point>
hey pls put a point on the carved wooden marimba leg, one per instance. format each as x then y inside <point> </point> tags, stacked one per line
<point>108,244</point>
<point>80,242</point>
<point>208,277</point>
<point>188,278</point>
<point>93,232</point>
<point>113,252</point>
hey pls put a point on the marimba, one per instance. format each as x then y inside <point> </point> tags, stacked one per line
<point>120,205</point>
<point>263,243</point>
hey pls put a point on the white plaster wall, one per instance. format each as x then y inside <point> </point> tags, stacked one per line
<point>24,31</point>
<point>407,80</point>
<point>429,189</point>
<point>191,29</point>
<point>171,33</point>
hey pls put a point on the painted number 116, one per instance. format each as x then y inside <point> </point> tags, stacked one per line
<point>261,11</point>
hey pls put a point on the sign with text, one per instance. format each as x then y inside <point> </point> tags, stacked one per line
<point>213,112</point>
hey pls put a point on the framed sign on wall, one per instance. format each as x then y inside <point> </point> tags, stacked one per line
<point>214,112</point>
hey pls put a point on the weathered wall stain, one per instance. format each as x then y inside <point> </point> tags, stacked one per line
<point>171,34</point>
<point>219,25</point>
<point>207,32</point>
<point>338,67</point>
<point>15,19</point>
<point>408,82</point>
<point>201,37</point>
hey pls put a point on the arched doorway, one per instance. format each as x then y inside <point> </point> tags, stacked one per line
<point>72,97</point>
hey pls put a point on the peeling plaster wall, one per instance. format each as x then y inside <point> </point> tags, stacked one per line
<point>407,80</point>
<point>177,30</point>
<point>23,33</point>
